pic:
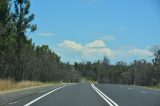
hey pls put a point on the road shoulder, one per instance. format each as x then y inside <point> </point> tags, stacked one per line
<point>12,96</point>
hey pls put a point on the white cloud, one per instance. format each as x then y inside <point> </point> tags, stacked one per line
<point>106,52</point>
<point>47,34</point>
<point>96,52</point>
<point>140,52</point>
<point>96,44</point>
<point>97,49</point>
<point>71,44</point>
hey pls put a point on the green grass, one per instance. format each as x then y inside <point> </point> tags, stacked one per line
<point>154,87</point>
<point>87,80</point>
<point>157,87</point>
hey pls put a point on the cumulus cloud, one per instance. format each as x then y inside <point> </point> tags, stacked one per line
<point>47,34</point>
<point>140,52</point>
<point>132,52</point>
<point>97,49</point>
<point>71,45</point>
<point>96,44</point>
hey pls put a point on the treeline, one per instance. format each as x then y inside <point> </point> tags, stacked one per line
<point>20,59</point>
<point>140,72</point>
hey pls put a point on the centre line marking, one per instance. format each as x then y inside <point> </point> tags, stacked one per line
<point>28,104</point>
<point>105,97</point>
<point>143,92</point>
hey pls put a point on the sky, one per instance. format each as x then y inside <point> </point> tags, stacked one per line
<point>88,30</point>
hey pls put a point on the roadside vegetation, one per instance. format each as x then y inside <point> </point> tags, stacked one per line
<point>22,60</point>
<point>139,72</point>
<point>86,80</point>
<point>154,87</point>
<point>11,85</point>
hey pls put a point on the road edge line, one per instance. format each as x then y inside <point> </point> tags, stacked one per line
<point>33,101</point>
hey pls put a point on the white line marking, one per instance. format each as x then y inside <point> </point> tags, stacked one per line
<point>13,102</point>
<point>105,97</point>
<point>129,88</point>
<point>102,96</point>
<point>121,86</point>
<point>143,92</point>
<point>28,104</point>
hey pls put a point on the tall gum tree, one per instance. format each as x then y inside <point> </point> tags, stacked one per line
<point>22,19</point>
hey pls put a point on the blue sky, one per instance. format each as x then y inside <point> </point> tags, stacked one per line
<point>80,30</point>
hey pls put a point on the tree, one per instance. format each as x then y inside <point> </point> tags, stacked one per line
<point>156,65</point>
<point>104,71</point>
<point>5,34</point>
<point>120,69</point>
<point>22,20</point>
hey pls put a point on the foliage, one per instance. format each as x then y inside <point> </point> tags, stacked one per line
<point>140,72</point>
<point>20,59</point>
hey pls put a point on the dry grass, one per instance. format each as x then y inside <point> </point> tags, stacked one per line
<point>9,85</point>
<point>156,87</point>
<point>6,84</point>
<point>88,80</point>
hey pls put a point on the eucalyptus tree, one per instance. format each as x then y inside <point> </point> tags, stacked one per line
<point>156,65</point>
<point>5,34</point>
<point>22,20</point>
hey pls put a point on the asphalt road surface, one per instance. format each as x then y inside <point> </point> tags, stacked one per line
<point>85,94</point>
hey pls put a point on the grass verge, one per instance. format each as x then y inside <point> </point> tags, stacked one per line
<point>87,80</point>
<point>154,87</point>
<point>11,85</point>
<point>157,87</point>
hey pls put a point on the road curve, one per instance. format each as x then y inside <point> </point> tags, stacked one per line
<point>85,94</point>
<point>81,94</point>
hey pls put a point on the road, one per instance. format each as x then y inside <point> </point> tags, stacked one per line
<point>85,94</point>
